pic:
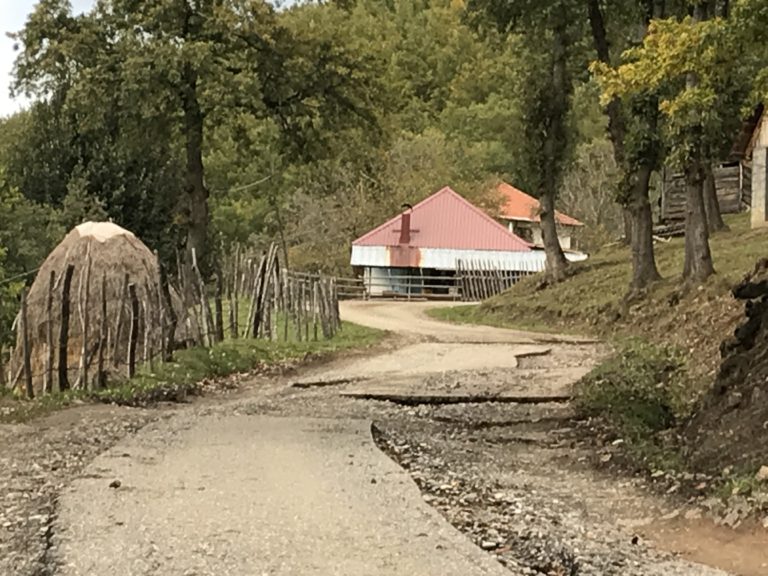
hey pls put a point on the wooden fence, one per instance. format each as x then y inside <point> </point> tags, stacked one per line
<point>734,191</point>
<point>142,324</point>
<point>479,280</point>
<point>473,281</point>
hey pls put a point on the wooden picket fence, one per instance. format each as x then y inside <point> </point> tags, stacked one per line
<point>479,280</point>
<point>249,297</point>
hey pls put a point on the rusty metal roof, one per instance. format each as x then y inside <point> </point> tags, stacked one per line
<point>446,220</point>
<point>517,205</point>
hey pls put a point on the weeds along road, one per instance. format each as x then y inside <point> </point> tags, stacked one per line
<point>447,451</point>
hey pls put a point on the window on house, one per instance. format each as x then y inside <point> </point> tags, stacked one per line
<point>525,233</point>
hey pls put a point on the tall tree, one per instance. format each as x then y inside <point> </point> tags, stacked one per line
<point>548,31</point>
<point>686,61</point>
<point>639,162</point>
<point>178,66</point>
<point>549,119</point>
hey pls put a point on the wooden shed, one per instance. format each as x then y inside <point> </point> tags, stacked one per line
<point>733,177</point>
<point>733,181</point>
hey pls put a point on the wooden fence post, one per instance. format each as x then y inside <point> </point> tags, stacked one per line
<point>64,330</point>
<point>273,328</point>
<point>2,367</point>
<point>25,344</point>
<point>252,328</point>
<point>11,380</point>
<point>120,315</point>
<point>233,294</point>
<point>205,309</point>
<point>134,334</point>
<point>219,309</point>
<point>83,304</point>
<point>170,343</point>
<point>296,299</point>
<point>324,308</point>
<point>103,340</point>
<point>49,354</point>
<point>305,299</point>
<point>146,314</point>
<point>286,300</point>
<point>181,278</point>
<point>315,307</point>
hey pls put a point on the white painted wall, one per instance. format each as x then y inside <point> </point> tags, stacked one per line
<point>563,233</point>
<point>446,259</point>
<point>759,208</point>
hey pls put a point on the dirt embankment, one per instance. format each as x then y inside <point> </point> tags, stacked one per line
<point>731,426</point>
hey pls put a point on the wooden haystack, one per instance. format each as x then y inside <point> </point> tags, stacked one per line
<point>112,272</point>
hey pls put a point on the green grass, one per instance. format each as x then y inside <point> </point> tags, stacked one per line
<point>638,394</point>
<point>644,389</point>
<point>473,314</point>
<point>177,380</point>
<point>640,389</point>
<point>598,286</point>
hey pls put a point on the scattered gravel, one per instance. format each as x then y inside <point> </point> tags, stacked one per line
<point>512,477</point>
<point>36,462</point>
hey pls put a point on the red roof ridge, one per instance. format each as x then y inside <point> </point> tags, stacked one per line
<point>419,204</point>
<point>479,211</point>
<point>483,216</point>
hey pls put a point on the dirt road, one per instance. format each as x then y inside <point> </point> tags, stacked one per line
<point>286,479</point>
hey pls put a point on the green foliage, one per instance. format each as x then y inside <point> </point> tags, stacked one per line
<point>185,376</point>
<point>697,70</point>
<point>28,231</point>
<point>638,390</point>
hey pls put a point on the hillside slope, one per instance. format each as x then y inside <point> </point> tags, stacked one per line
<point>592,301</point>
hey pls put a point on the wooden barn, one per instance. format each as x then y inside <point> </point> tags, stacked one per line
<point>733,182</point>
<point>733,178</point>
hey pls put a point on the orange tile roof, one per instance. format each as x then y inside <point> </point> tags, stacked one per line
<point>517,205</point>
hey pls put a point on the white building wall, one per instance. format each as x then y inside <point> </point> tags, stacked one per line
<point>759,208</point>
<point>447,259</point>
<point>563,233</point>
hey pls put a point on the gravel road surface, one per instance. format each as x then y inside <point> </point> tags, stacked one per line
<point>287,479</point>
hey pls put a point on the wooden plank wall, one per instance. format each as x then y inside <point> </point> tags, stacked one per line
<point>734,192</point>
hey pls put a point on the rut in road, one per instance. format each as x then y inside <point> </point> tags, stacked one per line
<point>261,483</point>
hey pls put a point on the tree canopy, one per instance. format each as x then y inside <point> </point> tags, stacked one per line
<point>211,123</point>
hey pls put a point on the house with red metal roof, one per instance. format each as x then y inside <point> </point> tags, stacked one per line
<point>520,213</point>
<point>432,239</point>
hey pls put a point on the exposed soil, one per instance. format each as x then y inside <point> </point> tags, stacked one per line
<point>514,477</point>
<point>730,428</point>
<point>742,551</point>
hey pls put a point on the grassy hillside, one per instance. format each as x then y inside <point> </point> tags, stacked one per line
<point>593,301</point>
<point>667,343</point>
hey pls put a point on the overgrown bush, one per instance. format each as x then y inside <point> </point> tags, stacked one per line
<point>639,390</point>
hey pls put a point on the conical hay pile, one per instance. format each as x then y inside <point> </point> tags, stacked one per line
<point>111,252</point>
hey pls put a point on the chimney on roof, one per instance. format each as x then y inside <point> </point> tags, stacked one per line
<point>405,225</point>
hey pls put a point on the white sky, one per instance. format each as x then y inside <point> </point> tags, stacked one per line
<point>13,15</point>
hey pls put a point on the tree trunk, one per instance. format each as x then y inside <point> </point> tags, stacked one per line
<point>556,262</point>
<point>626,214</point>
<point>698,258</point>
<point>197,193</point>
<point>644,269</point>
<point>554,151</point>
<point>638,219</point>
<point>616,125</point>
<point>711,204</point>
